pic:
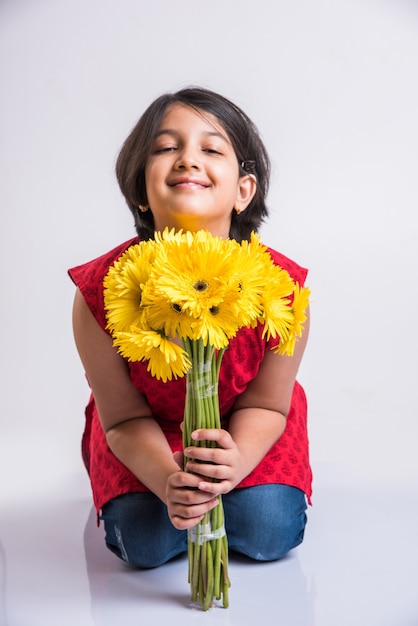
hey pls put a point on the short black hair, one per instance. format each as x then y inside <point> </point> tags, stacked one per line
<point>249,148</point>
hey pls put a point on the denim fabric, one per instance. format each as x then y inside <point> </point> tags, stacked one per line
<point>262,522</point>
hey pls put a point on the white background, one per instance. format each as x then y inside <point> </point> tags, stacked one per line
<point>332,86</point>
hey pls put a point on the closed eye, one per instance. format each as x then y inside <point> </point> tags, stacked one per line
<point>211,151</point>
<point>165,149</point>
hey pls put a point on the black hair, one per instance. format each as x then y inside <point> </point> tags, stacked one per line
<point>250,151</point>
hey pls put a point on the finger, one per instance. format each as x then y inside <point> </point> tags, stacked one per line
<point>188,516</point>
<point>184,489</point>
<point>219,435</point>
<point>218,456</point>
<point>179,458</point>
<point>211,471</point>
<point>182,522</point>
<point>215,488</point>
<point>182,480</point>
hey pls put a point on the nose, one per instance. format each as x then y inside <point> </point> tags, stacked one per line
<point>187,159</point>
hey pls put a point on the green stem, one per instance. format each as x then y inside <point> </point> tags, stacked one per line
<point>208,557</point>
<point>209,575</point>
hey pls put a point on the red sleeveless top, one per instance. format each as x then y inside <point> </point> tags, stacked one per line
<point>287,462</point>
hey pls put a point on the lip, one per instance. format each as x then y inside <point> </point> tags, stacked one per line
<point>188,182</point>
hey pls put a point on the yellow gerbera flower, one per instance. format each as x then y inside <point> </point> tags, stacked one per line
<point>123,286</point>
<point>277,314</point>
<point>299,305</point>
<point>165,358</point>
<point>165,315</point>
<point>197,286</point>
<point>250,272</point>
<point>192,272</point>
<point>215,326</point>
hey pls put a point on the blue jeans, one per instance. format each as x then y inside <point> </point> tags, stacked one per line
<point>262,522</point>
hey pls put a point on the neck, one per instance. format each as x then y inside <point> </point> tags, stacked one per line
<point>193,224</point>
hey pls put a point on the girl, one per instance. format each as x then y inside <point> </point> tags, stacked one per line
<point>193,161</point>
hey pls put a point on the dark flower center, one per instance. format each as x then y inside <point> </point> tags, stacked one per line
<point>176,307</point>
<point>214,310</point>
<point>201,285</point>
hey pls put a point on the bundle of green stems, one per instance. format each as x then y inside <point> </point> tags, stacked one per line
<point>207,542</point>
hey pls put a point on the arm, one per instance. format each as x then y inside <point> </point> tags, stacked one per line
<point>132,433</point>
<point>258,421</point>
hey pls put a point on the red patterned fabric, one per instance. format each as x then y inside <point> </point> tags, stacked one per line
<point>286,463</point>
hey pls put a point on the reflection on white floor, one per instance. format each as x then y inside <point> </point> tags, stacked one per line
<point>358,566</point>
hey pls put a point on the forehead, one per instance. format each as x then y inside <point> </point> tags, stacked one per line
<point>181,118</point>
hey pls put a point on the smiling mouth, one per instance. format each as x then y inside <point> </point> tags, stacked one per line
<point>188,183</point>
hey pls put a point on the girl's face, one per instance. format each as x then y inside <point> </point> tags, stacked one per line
<point>192,174</point>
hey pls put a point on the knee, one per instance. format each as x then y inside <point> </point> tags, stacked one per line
<point>269,530</point>
<point>140,533</point>
<point>282,535</point>
<point>274,539</point>
<point>129,548</point>
<point>142,550</point>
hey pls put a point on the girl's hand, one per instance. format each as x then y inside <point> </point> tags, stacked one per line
<point>223,464</point>
<point>186,502</point>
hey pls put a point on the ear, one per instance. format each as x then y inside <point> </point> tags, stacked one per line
<point>247,186</point>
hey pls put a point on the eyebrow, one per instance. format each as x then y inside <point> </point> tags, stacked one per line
<point>207,133</point>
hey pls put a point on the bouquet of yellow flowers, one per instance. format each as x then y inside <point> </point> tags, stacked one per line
<point>201,289</point>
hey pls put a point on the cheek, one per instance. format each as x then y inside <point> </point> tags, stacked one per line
<point>228,174</point>
<point>151,178</point>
